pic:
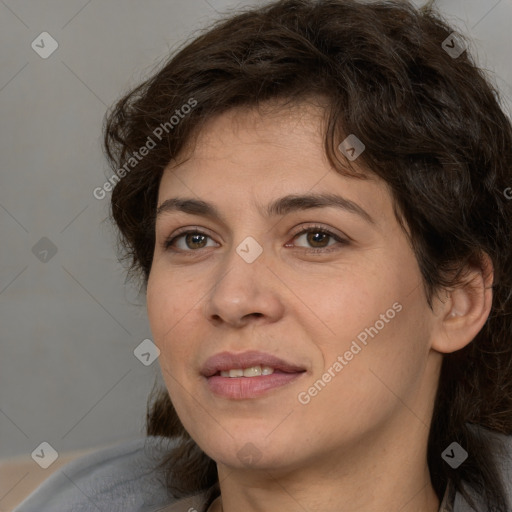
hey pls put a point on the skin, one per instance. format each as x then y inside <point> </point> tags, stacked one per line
<point>360,443</point>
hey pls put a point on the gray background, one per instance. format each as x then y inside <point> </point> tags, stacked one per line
<point>69,325</point>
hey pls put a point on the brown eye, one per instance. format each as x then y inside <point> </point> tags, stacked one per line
<point>317,239</point>
<point>195,240</point>
<point>192,241</point>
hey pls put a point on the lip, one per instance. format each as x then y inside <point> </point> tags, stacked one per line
<point>240,388</point>
<point>228,360</point>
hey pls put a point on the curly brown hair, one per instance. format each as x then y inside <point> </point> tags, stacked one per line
<point>433,129</point>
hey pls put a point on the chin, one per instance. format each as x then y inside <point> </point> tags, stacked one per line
<point>251,450</point>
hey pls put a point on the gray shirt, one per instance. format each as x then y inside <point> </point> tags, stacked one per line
<point>123,478</point>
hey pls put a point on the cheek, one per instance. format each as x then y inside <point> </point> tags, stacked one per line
<point>167,303</point>
<point>354,303</point>
<point>390,366</point>
<point>372,386</point>
<point>172,309</point>
<point>383,324</point>
<point>158,302</point>
<point>164,312</point>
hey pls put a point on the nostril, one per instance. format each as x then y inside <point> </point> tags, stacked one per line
<point>255,315</point>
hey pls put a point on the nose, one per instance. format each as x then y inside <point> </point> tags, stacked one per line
<point>244,293</point>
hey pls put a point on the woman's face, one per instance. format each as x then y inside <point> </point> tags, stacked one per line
<point>345,311</point>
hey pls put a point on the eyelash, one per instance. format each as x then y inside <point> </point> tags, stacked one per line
<point>315,229</point>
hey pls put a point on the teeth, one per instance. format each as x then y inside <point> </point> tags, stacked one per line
<point>253,371</point>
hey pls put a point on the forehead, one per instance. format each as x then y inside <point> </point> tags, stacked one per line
<point>269,129</point>
<point>265,153</point>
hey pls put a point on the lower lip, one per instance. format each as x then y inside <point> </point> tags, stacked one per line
<point>239,388</point>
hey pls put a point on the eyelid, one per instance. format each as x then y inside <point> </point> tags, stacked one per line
<point>185,231</point>
<point>324,229</point>
<point>341,239</point>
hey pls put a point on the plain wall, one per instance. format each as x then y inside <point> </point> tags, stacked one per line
<point>69,325</point>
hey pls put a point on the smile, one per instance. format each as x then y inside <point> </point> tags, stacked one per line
<point>253,371</point>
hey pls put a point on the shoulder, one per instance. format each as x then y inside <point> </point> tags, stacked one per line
<point>502,446</point>
<point>504,459</point>
<point>120,478</point>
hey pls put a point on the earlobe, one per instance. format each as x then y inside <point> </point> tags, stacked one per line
<point>464,313</point>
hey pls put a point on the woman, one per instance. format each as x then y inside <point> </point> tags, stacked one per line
<point>314,197</point>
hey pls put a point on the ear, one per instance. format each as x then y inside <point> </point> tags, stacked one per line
<point>461,317</point>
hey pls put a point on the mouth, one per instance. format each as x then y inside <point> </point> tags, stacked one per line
<point>248,375</point>
<point>247,364</point>
<point>253,371</point>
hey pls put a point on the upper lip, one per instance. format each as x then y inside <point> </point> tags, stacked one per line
<point>228,360</point>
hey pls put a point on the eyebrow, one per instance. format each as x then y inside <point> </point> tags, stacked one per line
<point>280,206</point>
